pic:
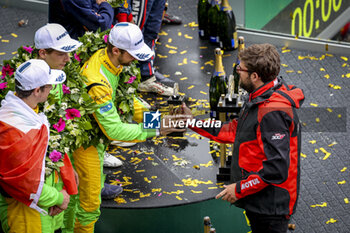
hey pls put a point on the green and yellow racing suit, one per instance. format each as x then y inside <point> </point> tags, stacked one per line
<point>102,82</point>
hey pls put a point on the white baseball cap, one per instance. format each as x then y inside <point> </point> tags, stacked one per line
<point>128,36</point>
<point>54,36</point>
<point>36,73</point>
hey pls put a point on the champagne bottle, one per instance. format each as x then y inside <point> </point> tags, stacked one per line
<point>202,15</point>
<point>218,84</point>
<point>227,27</point>
<point>235,73</point>
<point>213,19</point>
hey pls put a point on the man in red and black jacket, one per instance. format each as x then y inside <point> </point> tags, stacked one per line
<point>265,170</point>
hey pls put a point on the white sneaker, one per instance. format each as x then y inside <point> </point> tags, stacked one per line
<point>151,85</point>
<point>111,161</point>
<point>123,144</point>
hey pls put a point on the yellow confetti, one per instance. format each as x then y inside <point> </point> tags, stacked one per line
<point>344,58</point>
<point>204,93</point>
<point>331,220</point>
<point>184,78</point>
<point>332,144</point>
<point>156,190</point>
<point>188,37</point>
<point>196,167</point>
<point>326,76</point>
<point>203,47</point>
<point>170,47</point>
<point>140,170</point>
<point>299,72</point>
<point>127,190</point>
<point>210,163</point>
<point>185,61</point>
<point>162,56</point>
<point>324,204</point>
<point>342,182</point>
<point>134,200</point>
<point>346,200</point>
<point>322,69</point>
<point>175,145</point>
<point>179,185</point>
<point>329,55</point>
<point>326,156</point>
<point>212,187</point>
<point>193,191</point>
<point>317,119</point>
<point>190,87</point>
<point>147,180</point>
<point>211,62</point>
<point>14,35</point>
<point>345,64</point>
<point>179,198</point>
<point>343,169</point>
<point>172,51</point>
<point>193,24</point>
<point>170,40</point>
<point>316,151</point>
<point>314,105</point>
<point>2,53</point>
<point>289,71</point>
<point>348,75</point>
<point>312,141</point>
<point>329,110</point>
<point>15,52</point>
<point>195,182</point>
<point>303,155</point>
<point>286,51</point>
<point>179,33</point>
<point>183,52</point>
<point>175,158</point>
<point>154,177</point>
<point>162,33</point>
<point>5,41</point>
<point>194,62</point>
<point>116,173</point>
<point>120,200</point>
<point>145,195</point>
<point>339,115</point>
<point>284,65</point>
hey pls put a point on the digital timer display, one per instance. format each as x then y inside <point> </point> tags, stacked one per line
<point>306,18</point>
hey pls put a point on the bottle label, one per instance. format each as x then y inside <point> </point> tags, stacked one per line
<point>212,39</point>
<point>232,43</point>
<point>217,73</point>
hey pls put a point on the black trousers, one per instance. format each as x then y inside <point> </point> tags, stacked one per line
<point>268,223</point>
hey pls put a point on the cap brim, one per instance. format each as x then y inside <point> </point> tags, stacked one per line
<point>56,77</point>
<point>142,54</point>
<point>68,46</point>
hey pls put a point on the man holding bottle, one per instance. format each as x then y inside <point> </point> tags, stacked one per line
<point>265,170</point>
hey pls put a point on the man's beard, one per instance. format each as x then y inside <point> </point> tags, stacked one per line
<point>247,86</point>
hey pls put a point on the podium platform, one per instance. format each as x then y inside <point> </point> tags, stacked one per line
<point>169,186</point>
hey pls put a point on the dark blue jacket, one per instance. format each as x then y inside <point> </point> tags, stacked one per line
<point>79,16</point>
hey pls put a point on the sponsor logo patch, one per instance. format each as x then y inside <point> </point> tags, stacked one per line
<point>68,47</point>
<point>106,108</point>
<point>278,136</point>
<point>142,56</point>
